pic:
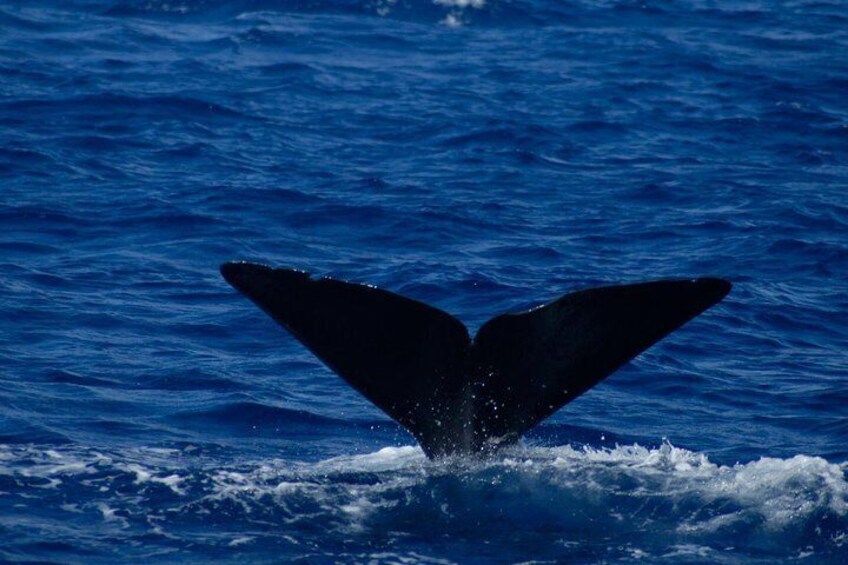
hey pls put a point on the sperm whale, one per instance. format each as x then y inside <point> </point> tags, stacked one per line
<point>460,395</point>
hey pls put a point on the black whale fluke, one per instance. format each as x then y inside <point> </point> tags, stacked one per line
<point>455,394</point>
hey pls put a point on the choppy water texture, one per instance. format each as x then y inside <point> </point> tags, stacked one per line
<point>482,156</point>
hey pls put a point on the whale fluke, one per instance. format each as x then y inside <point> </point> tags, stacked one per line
<point>458,395</point>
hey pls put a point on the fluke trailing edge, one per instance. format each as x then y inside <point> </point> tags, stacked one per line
<point>455,394</point>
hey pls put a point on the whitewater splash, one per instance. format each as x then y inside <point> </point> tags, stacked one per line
<point>454,15</point>
<point>627,501</point>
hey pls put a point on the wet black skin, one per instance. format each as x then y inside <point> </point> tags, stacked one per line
<point>454,394</point>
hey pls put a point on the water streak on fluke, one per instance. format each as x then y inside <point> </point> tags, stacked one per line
<point>458,395</point>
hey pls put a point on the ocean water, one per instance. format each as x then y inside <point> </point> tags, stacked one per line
<point>480,155</point>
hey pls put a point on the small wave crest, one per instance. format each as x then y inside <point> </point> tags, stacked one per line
<point>452,13</point>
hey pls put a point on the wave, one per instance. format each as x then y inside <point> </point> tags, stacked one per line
<point>617,502</point>
<point>251,414</point>
<point>449,10</point>
<point>183,107</point>
<point>259,419</point>
<point>452,12</point>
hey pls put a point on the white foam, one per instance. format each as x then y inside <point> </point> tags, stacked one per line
<point>144,475</point>
<point>384,460</point>
<point>777,491</point>
<point>455,9</point>
<point>773,494</point>
<point>461,3</point>
<point>684,492</point>
<point>688,550</point>
<point>110,515</point>
<point>452,20</point>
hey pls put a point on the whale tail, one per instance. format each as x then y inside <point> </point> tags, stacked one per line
<point>458,395</point>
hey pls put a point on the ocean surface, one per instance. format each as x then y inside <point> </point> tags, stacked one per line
<point>483,156</point>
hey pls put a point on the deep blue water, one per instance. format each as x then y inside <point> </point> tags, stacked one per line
<point>481,156</point>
